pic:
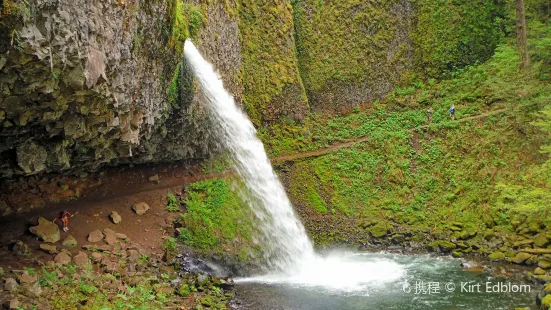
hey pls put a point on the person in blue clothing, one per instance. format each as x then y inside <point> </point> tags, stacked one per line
<point>452,112</point>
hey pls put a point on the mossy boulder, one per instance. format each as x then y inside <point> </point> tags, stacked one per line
<point>442,245</point>
<point>379,230</point>
<point>544,263</point>
<point>541,241</point>
<point>496,256</point>
<point>521,257</point>
<point>546,302</point>
<point>457,253</point>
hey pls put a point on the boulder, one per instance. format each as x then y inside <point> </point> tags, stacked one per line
<point>496,256</point>
<point>95,236</point>
<point>48,248</point>
<point>140,208</point>
<point>70,241</point>
<point>539,271</point>
<point>14,304</point>
<point>121,236</point>
<point>544,263</point>
<point>546,302</point>
<point>21,249</point>
<point>46,231</point>
<point>522,242</point>
<point>81,259</point>
<point>26,278</point>
<point>62,259</point>
<point>110,236</point>
<point>154,178</point>
<point>520,258</point>
<point>96,257</point>
<point>11,285</point>
<point>541,241</point>
<point>33,290</point>
<point>115,217</point>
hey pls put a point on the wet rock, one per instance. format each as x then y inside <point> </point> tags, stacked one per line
<point>31,157</point>
<point>95,236</point>
<point>520,258</point>
<point>21,249</point>
<point>457,254</point>
<point>48,248</point>
<point>70,241</point>
<point>26,278</point>
<point>115,217</point>
<point>11,285</point>
<point>46,231</point>
<point>140,208</point>
<point>442,245</point>
<point>62,259</point>
<point>81,259</point>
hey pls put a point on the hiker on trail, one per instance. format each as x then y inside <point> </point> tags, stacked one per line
<point>429,115</point>
<point>452,112</point>
<point>64,217</point>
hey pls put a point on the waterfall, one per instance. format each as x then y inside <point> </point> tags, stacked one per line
<point>284,237</point>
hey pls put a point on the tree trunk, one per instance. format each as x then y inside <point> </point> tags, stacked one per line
<point>521,33</point>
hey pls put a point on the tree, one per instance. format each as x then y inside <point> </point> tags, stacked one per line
<point>521,33</point>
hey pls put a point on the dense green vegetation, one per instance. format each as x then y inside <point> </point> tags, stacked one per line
<point>216,218</point>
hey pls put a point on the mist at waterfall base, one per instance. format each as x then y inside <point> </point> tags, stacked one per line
<point>295,275</point>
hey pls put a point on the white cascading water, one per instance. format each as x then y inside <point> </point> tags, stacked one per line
<point>290,255</point>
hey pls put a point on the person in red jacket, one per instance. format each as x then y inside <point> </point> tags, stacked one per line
<point>64,217</point>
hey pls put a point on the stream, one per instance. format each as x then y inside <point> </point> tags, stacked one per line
<point>385,281</point>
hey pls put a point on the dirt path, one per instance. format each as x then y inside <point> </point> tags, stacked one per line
<point>341,145</point>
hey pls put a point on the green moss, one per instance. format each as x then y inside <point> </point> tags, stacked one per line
<point>185,20</point>
<point>270,76</point>
<point>453,34</point>
<point>216,218</point>
<point>304,188</point>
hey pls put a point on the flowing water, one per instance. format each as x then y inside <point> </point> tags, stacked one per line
<point>296,277</point>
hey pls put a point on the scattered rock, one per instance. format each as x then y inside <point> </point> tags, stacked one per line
<point>11,285</point>
<point>48,248</point>
<point>14,304</point>
<point>154,178</point>
<point>62,259</point>
<point>95,236</point>
<point>133,256</point>
<point>21,249</point>
<point>70,241</point>
<point>81,259</point>
<point>522,242</point>
<point>121,236</point>
<point>46,231</point>
<point>115,217</point>
<point>34,290</point>
<point>96,257</point>
<point>140,208</point>
<point>110,237</point>
<point>26,278</point>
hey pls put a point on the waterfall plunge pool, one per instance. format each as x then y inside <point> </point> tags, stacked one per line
<point>359,281</point>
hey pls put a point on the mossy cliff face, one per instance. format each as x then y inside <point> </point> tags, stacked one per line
<point>89,84</point>
<point>359,54</point>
